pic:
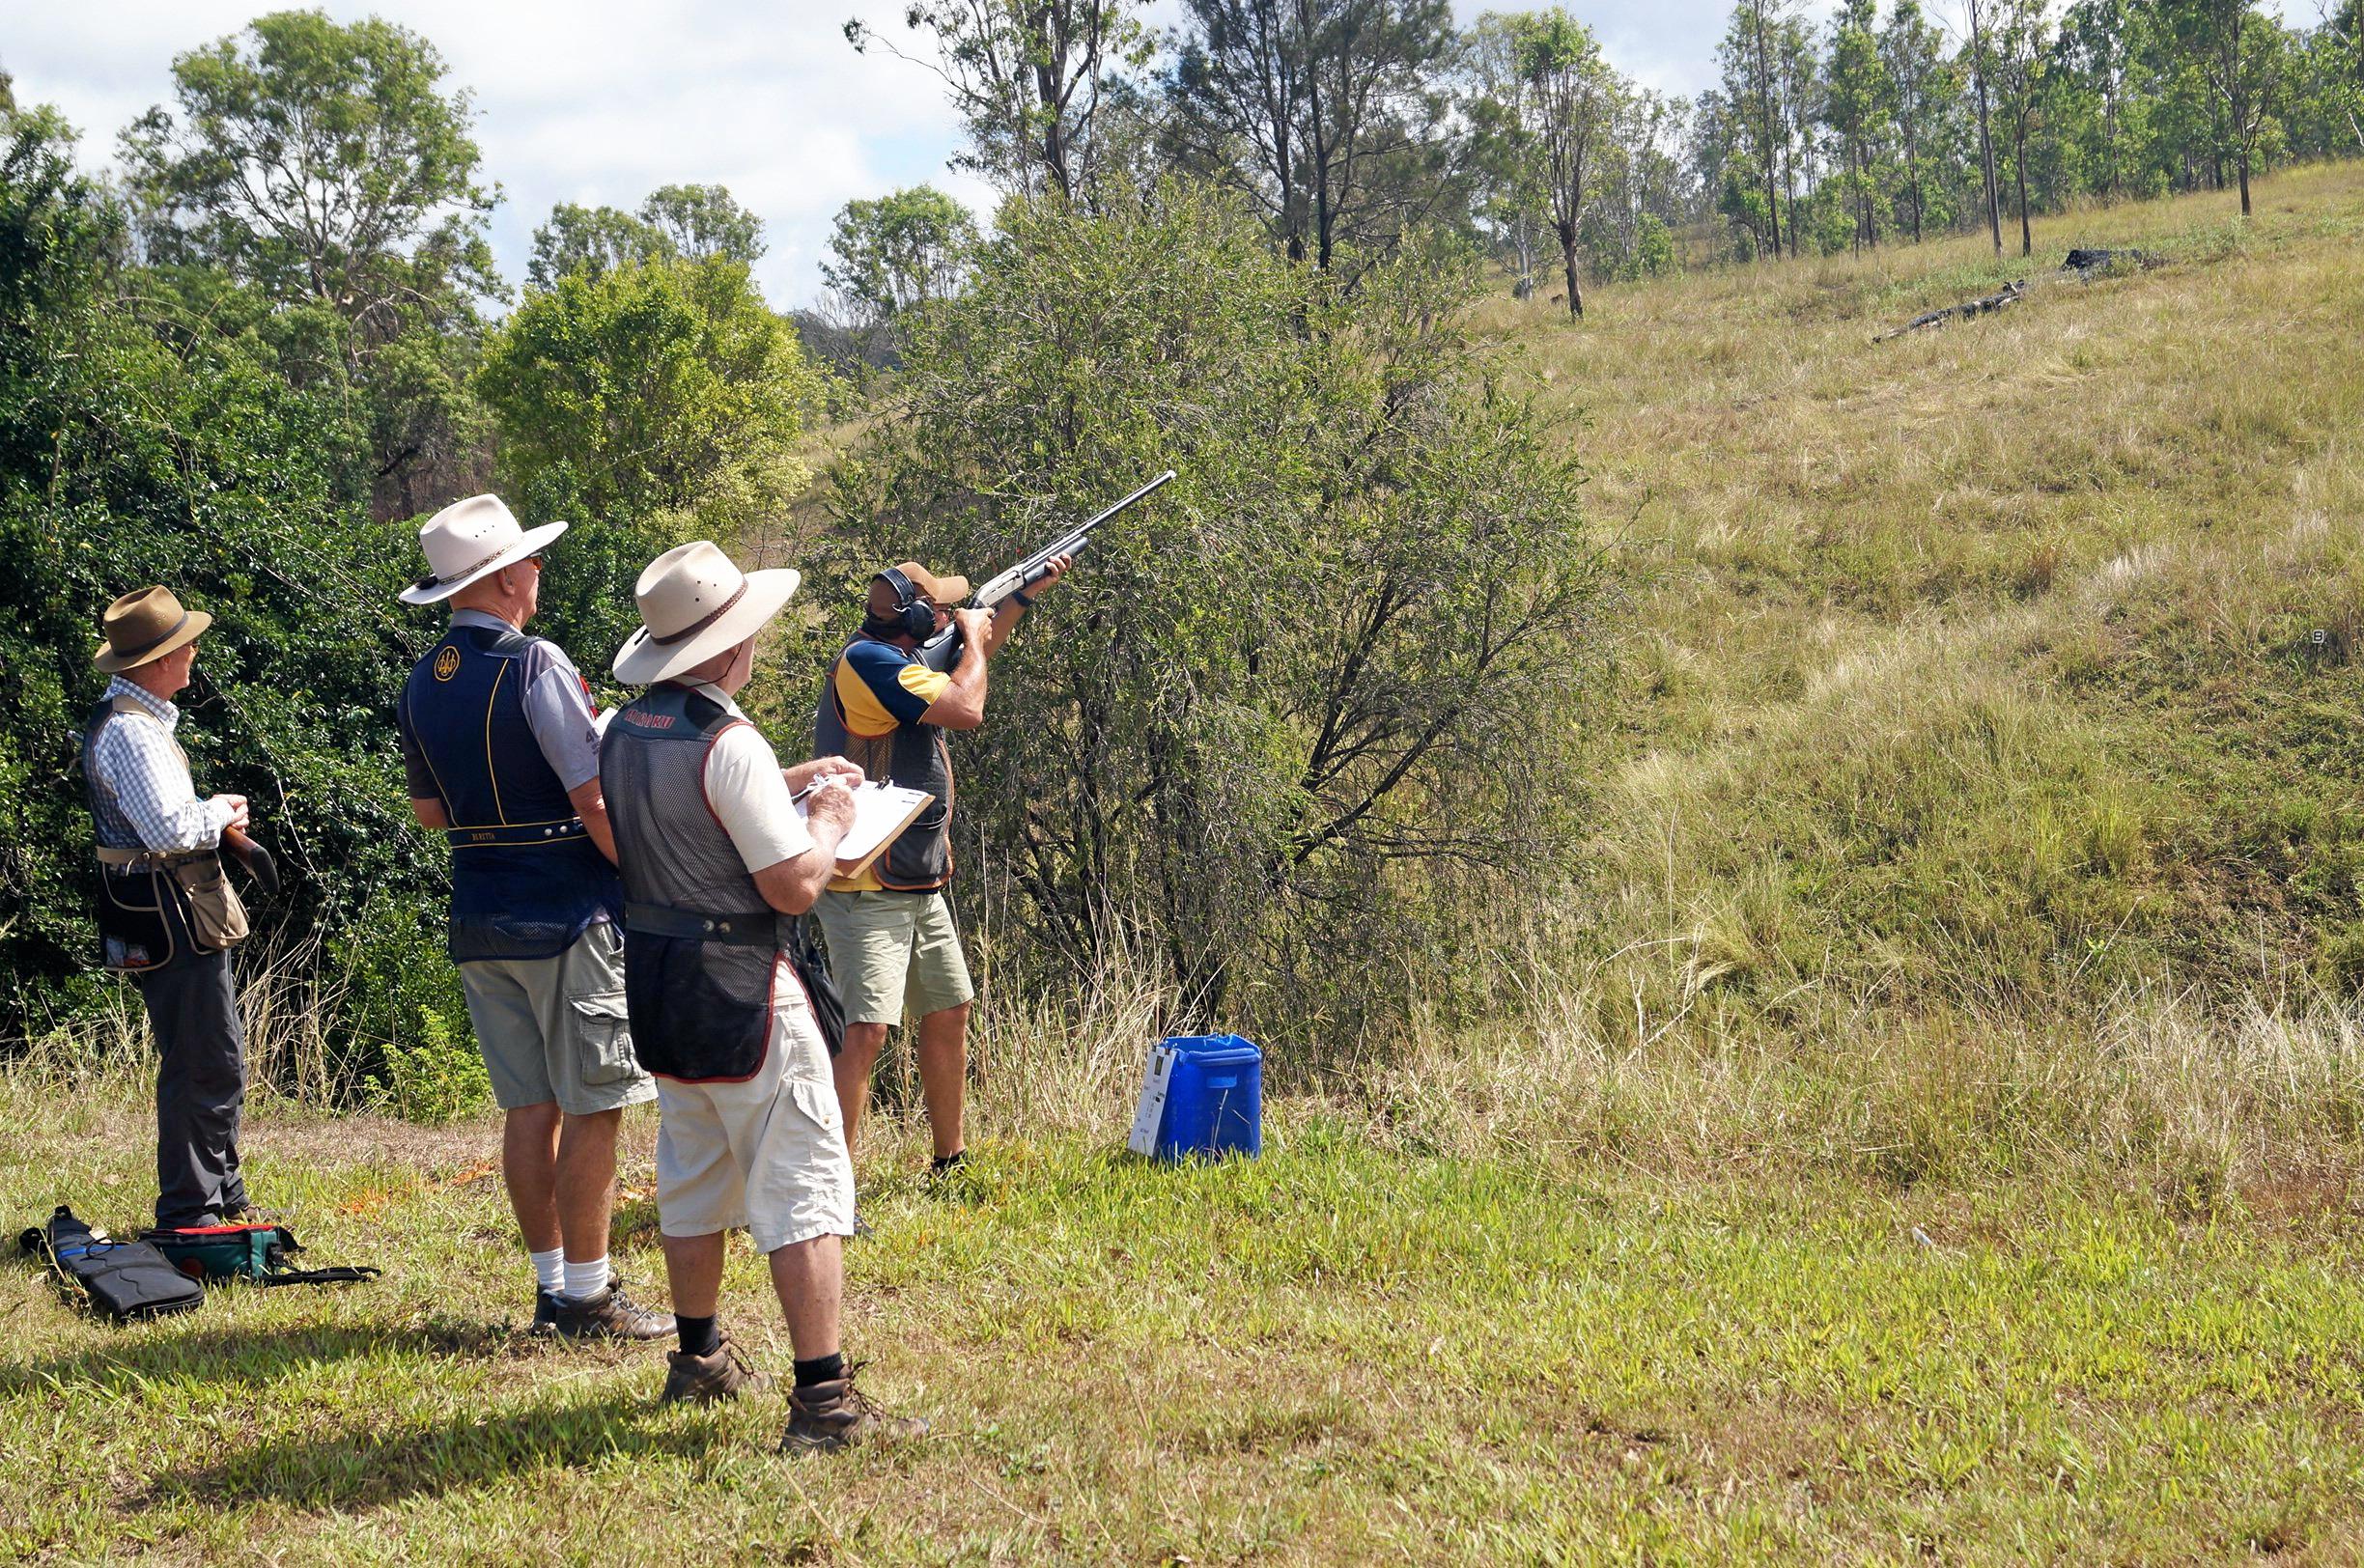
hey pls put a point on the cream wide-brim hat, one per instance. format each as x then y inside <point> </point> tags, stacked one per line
<point>470,540</point>
<point>694,603</point>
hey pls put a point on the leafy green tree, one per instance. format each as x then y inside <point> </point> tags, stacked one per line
<point>1570,101</point>
<point>1852,107</point>
<point>2019,67</point>
<point>2244,55</point>
<point>1282,707</point>
<point>1027,76</point>
<point>134,451</point>
<point>898,251</point>
<point>1919,85</point>
<point>591,240</point>
<point>643,402</point>
<point>1331,116</point>
<point>1510,204</point>
<point>699,221</point>
<point>323,165</point>
<point>1756,94</point>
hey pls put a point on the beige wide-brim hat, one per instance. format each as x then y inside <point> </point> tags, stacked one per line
<point>144,626</point>
<point>694,603</point>
<point>472,539</point>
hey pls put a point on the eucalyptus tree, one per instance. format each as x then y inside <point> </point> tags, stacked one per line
<point>1914,70</point>
<point>2244,56</point>
<point>1029,77</point>
<point>1332,116</point>
<point>898,252</point>
<point>1981,72</point>
<point>1853,106</point>
<point>591,240</point>
<point>1756,92</point>
<point>325,166</point>
<point>2019,64</point>
<point>1571,97</point>
<point>698,221</point>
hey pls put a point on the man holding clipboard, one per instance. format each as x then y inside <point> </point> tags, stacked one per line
<point>892,941</point>
<point>714,853</point>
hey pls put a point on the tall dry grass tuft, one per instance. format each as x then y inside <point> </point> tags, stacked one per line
<point>288,998</point>
<point>2149,1082</point>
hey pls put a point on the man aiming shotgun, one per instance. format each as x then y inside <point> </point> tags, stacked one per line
<point>918,668</point>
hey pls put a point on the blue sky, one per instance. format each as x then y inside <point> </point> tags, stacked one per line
<point>602,100</point>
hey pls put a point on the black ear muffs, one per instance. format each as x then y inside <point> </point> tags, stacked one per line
<point>912,618</point>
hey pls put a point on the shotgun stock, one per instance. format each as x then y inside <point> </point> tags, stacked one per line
<point>254,857</point>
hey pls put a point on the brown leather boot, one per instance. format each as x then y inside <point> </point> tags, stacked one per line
<point>723,1374</point>
<point>609,1315</point>
<point>835,1415</point>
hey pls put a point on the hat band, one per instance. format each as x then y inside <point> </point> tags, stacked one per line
<point>478,565</point>
<point>152,644</point>
<point>702,622</point>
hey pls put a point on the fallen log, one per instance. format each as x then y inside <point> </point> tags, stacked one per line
<point>2084,263</point>
<point>2011,293</point>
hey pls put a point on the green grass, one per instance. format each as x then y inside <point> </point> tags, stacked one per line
<point>1922,1126</point>
<point>1974,673</point>
<point>1343,1353</point>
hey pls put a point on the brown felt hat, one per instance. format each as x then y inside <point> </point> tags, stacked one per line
<point>143,626</point>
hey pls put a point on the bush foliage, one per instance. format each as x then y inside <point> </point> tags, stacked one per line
<point>132,452</point>
<point>1295,712</point>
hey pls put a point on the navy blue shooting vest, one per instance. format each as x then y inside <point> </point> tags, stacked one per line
<point>526,878</point>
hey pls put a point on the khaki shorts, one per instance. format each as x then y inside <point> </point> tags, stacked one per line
<point>886,949</point>
<point>553,1028</point>
<point>767,1154</point>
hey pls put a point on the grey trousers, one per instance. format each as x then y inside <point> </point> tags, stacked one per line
<point>201,1085</point>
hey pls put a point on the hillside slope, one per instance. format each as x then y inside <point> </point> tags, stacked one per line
<point>1979,667</point>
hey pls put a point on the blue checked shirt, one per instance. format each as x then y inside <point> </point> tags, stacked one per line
<point>144,798</point>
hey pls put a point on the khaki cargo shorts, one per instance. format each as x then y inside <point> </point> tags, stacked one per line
<point>767,1154</point>
<point>889,949</point>
<point>553,1028</point>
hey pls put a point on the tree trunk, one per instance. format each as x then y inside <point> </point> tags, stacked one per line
<point>1764,114</point>
<point>1912,175</point>
<point>1567,259</point>
<point>2244,181</point>
<point>2027,240</point>
<point>1978,71</point>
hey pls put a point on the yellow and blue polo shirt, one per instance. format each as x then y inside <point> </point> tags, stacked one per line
<point>880,686</point>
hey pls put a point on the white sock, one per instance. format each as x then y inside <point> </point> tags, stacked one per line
<point>584,1280</point>
<point>549,1269</point>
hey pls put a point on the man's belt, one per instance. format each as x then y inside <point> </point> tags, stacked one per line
<point>115,859</point>
<point>758,929</point>
<point>510,836</point>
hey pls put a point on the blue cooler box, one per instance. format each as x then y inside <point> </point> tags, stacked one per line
<point>1214,1099</point>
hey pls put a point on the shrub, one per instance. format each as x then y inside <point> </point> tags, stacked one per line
<point>1298,708</point>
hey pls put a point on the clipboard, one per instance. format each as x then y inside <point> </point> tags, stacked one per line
<point>882,811</point>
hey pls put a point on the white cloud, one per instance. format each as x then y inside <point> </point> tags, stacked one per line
<point>592,101</point>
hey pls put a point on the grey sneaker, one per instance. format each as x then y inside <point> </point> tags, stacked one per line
<point>722,1375</point>
<point>824,1417</point>
<point>609,1315</point>
<point>546,1311</point>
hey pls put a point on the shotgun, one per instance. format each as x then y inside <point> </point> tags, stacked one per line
<point>254,859</point>
<point>942,650</point>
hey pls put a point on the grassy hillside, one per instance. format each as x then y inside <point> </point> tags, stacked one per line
<point>1923,1127</point>
<point>1967,741</point>
<point>1978,665</point>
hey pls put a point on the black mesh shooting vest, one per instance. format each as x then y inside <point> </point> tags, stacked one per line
<point>702,952</point>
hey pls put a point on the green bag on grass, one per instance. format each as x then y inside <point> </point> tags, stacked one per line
<point>256,1252</point>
